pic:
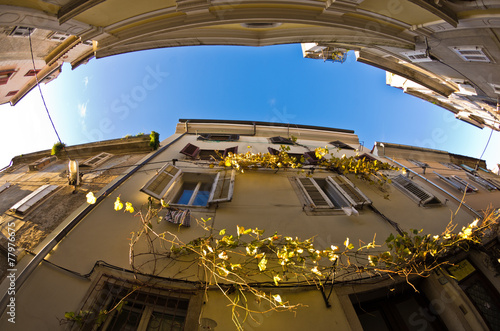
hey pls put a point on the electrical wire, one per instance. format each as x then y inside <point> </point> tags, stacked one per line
<point>41,94</point>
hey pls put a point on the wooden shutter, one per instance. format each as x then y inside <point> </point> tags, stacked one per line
<point>233,150</point>
<point>222,189</point>
<point>341,145</point>
<point>313,193</point>
<point>273,151</point>
<point>310,157</point>
<point>191,150</point>
<point>161,182</point>
<point>414,191</point>
<point>367,157</point>
<point>281,140</point>
<point>349,191</point>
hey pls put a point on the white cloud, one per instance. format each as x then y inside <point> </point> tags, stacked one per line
<point>86,81</point>
<point>82,109</point>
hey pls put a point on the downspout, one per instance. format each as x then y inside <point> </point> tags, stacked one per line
<point>26,272</point>
<point>439,188</point>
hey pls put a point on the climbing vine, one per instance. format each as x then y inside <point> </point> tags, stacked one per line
<point>248,261</point>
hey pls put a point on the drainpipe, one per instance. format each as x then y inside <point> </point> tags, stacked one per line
<point>186,126</point>
<point>439,188</point>
<point>26,272</point>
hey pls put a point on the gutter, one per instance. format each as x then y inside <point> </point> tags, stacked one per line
<point>438,187</point>
<point>28,270</point>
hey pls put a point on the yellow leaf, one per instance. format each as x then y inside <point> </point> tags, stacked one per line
<point>91,199</point>
<point>118,204</point>
<point>129,207</point>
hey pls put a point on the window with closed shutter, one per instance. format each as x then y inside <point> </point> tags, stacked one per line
<point>481,181</point>
<point>457,183</point>
<point>415,192</point>
<point>160,183</point>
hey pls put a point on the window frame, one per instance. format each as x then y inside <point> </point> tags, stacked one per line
<point>110,286</point>
<point>97,160</point>
<point>223,182</point>
<point>212,137</point>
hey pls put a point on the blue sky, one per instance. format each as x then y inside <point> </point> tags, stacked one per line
<point>144,91</point>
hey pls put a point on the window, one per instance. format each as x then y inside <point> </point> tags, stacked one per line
<point>403,309</point>
<point>146,308</point>
<point>480,291</point>
<point>189,188</point>
<point>471,53</point>
<point>218,137</point>
<point>281,141</point>
<point>97,160</point>
<point>4,187</point>
<point>452,166</point>
<point>40,164</point>
<point>32,72</point>
<point>331,193</point>
<point>366,157</point>
<point>11,93</point>
<point>5,75</point>
<point>419,163</point>
<point>23,206</point>
<point>458,183</point>
<point>415,192</point>
<point>21,31</point>
<point>57,36</point>
<point>341,145</point>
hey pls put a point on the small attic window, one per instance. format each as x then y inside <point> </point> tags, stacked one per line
<point>341,145</point>
<point>21,31</point>
<point>219,137</point>
<point>260,25</point>
<point>367,157</point>
<point>471,53</point>
<point>57,36</point>
<point>97,160</point>
<point>281,140</point>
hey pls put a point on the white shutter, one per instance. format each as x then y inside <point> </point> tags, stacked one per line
<point>349,191</point>
<point>414,191</point>
<point>313,193</point>
<point>26,203</point>
<point>457,183</point>
<point>481,181</point>
<point>223,186</point>
<point>161,182</point>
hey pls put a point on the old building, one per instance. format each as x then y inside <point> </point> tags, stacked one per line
<point>449,48</point>
<point>84,264</point>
